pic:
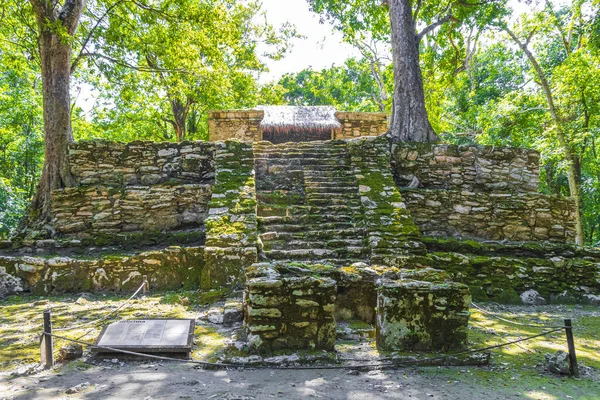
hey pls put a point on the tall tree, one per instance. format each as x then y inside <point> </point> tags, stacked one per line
<point>410,121</point>
<point>56,25</point>
<point>408,22</point>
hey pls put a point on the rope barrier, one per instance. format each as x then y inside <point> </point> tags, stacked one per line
<point>379,365</point>
<point>494,315</point>
<point>386,364</point>
<point>70,328</point>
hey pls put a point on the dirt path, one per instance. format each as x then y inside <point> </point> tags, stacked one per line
<point>136,380</point>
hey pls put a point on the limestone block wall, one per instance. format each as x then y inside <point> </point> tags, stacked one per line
<point>135,187</point>
<point>287,310</point>
<point>471,168</point>
<point>357,124</point>
<point>419,315</point>
<point>479,192</point>
<point>141,163</point>
<point>171,268</point>
<point>492,216</point>
<point>391,232</point>
<point>235,124</point>
<point>101,210</point>
<point>560,272</point>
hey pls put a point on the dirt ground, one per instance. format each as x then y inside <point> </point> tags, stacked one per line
<point>517,371</point>
<point>136,380</point>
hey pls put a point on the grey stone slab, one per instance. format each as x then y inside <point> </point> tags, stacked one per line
<point>148,335</point>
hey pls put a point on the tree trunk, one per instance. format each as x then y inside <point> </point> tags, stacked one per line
<point>180,114</point>
<point>410,122</point>
<point>55,59</point>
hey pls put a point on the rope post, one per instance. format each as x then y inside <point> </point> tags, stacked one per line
<point>47,356</point>
<point>146,284</point>
<point>571,343</point>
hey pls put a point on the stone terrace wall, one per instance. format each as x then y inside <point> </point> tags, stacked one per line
<point>472,168</point>
<point>492,216</point>
<point>135,187</point>
<point>167,269</point>
<point>100,162</point>
<point>235,124</point>
<point>96,210</point>
<point>356,124</point>
<point>560,272</point>
<point>479,192</point>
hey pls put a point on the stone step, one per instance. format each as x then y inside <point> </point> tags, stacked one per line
<point>331,195</point>
<point>315,253</point>
<point>329,176</point>
<point>290,227</point>
<point>266,210</point>
<point>326,201</point>
<point>295,153</point>
<point>317,234</point>
<point>328,183</point>
<point>349,180</point>
<point>332,189</point>
<point>332,244</point>
<point>305,159</point>
<point>303,219</point>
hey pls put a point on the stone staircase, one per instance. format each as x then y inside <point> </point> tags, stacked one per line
<point>309,207</point>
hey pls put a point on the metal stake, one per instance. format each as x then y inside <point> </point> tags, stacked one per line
<point>146,288</point>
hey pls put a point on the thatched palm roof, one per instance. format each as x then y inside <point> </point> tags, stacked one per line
<point>309,119</point>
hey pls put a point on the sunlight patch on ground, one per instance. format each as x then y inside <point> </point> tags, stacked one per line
<point>536,395</point>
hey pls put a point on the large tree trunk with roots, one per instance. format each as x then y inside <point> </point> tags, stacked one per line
<point>53,22</point>
<point>410,122</point>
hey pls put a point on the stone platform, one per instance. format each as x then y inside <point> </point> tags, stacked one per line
<point>292,306</point>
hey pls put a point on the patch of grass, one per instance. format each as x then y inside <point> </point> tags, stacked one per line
<point>516,371</point>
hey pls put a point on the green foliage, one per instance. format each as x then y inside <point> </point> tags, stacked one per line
<point>350,87</point>
<point>12,206</point>
<point>161,68</point>
<point>21,137</point>
<point>497,99</point>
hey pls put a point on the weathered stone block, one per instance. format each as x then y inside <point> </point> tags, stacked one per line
<point>419,315</point>
<point>289,308</point>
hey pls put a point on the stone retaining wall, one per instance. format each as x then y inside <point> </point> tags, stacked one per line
<point>235,124</point>
<point>420,315</point>
<point>493,216</point>
<point>100,210</point>
<point>134,187</point>
<point>493,276</point>
<point>471,168</point>
<point>170,268</point>
<point>391,232</point>
<point>357,124</point>
<point>141,163</point>
<point>560,272</point>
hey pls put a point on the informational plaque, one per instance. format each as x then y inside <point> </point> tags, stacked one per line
<point>148,336</point>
